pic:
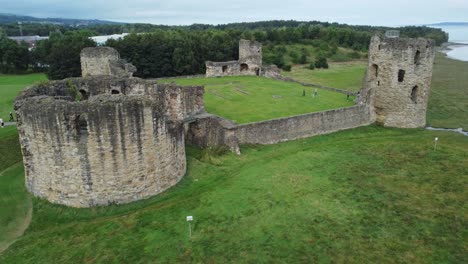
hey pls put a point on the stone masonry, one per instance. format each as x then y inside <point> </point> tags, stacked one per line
<point>249,63</point>
<point>399,78</point>
<point>104,61</point>
<point>103,139</point>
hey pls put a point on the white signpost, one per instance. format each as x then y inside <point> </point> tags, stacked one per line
<point>189,220</point>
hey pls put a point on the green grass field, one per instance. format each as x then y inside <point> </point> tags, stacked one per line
<point>343,75</point>
<point>448,100</point>
<point>14,200</point>
<point>245,99</point>
<point>366,195</point>
<point>10,86</point>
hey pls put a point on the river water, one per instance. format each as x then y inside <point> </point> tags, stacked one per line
<point>458,34</point>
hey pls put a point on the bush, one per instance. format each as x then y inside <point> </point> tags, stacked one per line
<point>303,59</point>
<point>312,65</point>
<point>321,62</point>
<point>286,67</point>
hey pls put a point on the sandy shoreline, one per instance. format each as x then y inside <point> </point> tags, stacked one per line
<point>450,46</point>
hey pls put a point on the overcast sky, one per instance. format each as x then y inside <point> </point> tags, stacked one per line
<point>184,12</point>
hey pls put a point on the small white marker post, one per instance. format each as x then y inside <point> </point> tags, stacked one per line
<point>435,143</point>
<point>189,220</point>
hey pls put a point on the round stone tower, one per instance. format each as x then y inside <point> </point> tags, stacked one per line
<point>99,140</point>
<point>399,77</point>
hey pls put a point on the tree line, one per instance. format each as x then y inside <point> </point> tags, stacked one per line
<point>182,50</point>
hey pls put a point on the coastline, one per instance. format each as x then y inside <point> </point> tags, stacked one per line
<point>448,47</point>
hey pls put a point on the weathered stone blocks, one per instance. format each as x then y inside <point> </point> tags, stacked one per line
<point>399,78</point>
<point>85,144</point>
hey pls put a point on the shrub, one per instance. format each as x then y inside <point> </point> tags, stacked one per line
<point>286,67</point>
<point>321,62</point>
<point>303,59</point>
<point>312,65</point>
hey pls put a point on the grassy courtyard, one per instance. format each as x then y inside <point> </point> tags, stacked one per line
<point>245,99</point>
<point>10,86</point>
<point>343,75</point>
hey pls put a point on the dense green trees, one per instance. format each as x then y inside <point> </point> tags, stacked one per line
<point>14,58</point>
<point>61,53</point>
<point>183,50</point>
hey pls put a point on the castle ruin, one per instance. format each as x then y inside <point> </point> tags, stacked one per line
<point>399,74</point>
<point>104,139</point>
<point>249,63</point>
<point>108,137</point>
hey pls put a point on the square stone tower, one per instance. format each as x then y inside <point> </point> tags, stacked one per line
<point>250,54</point>
<point>399,78</point>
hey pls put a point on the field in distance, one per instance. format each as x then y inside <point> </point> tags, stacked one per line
<point>245,99</point>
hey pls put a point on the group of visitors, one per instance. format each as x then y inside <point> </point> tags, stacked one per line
<point>2,123</point>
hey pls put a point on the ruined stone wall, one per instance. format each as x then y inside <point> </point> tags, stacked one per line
<point>249,63</point>
<point>104,61</point>
<point>301,126</point>
<point>398,79</point>
<point>216,69</point>
<point>250,52</point>
<point>108,148</point>
<point>211,130</point>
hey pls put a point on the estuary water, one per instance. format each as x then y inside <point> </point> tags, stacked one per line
<point>458,34</point>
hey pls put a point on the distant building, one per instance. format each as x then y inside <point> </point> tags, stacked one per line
<point>30,40</point>
<point>100,40</point>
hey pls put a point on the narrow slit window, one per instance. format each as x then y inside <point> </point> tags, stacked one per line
<point>417,58</point>
<point>401,75</point>
<point>414,94</point>
<point>375,70</point>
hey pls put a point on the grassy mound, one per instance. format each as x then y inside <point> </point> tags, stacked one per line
<point>245,99</point>
<point>363,195</point>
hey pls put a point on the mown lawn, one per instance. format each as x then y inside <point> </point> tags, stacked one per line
<point>245,99</point>
<point>10,86</point>
<point>366,195</point>
<point>343,75</point>
<point>448,100</point>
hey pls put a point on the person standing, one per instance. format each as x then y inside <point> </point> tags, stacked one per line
<point>2,123</point>
<point>11,117</point>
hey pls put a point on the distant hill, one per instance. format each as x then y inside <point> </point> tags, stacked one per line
<point>11,18</point>
<point>449,24</point>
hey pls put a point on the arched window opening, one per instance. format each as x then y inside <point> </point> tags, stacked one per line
<point>244,67</point>
<point>84,94</point>
<point>225,68</point>
<point>114,91</point>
